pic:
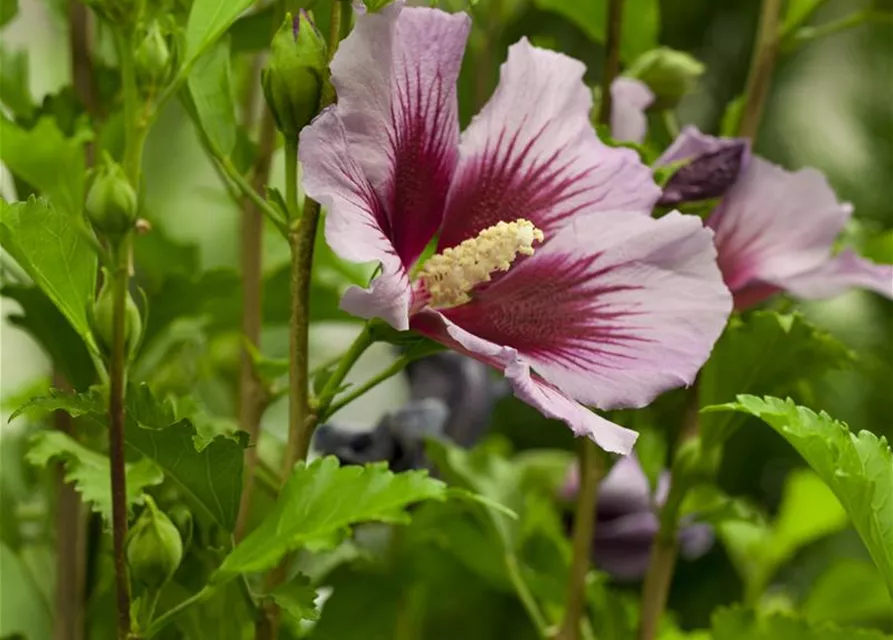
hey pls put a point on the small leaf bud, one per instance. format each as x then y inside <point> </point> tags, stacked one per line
<point>154,547</point>
<point>294,78</point>
<point>670,74</point>
<point>153,57</point>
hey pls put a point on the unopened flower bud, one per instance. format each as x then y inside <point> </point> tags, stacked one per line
<point>181,516</point>
<point>102,318</point>
<point>153,57</point>
<point>707,176</point>
<point>294,78</point>
<point>154,547</point>
<point>111,202</point>
<point>670,74</point>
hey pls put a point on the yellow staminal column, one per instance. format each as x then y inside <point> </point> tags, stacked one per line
<point>449,277</point>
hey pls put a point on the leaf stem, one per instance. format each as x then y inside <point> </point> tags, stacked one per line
<point>592,463</point>
<point>765,55</point>
<point>806,35</point>
<point>168,616</point>
<point>656,588</point>
<point>525,596</point>
<point>362,389</point>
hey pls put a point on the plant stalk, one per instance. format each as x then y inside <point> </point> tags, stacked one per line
<point>612,58</point>
<point>759,79</point>
<point>592,464</point>
<point>252,395</point>
<point>656,588</point>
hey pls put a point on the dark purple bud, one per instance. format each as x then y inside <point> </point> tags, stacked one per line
<point>707,176</point>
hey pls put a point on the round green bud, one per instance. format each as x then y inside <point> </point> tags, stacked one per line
<point>102,318</point>
<point>111,202</point>
<point>153,57</point>
<point>154,547</point>
<point>181,516</point>
<point>293,79</point>
<point>670,74</point>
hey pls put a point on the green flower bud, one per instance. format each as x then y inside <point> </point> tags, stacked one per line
<point>670,74</point>
<point>102,318</point>
<point>181,516</point>
<point>293,79</point>
<point>153,57</point>
<point>111,202</point>
<point>154,547</point>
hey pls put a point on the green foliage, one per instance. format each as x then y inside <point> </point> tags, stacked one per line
<point>320,501</point>
<point>208,473</point>
<point>798,12</point>
<point>741,624</point>
<point>89,470</point>
<point>808,512</point>
<point>25,610</point>
<point>210,85</point>
<point>14,91</point>
<point>8,10</point>
<point>65,268</point>
<point>639,29</point>
<point>208,20</point>
<point>47,160</point>
<point>297,597</point>
<point>850,591</point>
<point>858,468</point>
<point>768,353</point>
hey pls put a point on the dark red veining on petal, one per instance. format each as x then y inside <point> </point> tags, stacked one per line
<point>507,182</point>
<point>558,310</point>
<point>423,138</point>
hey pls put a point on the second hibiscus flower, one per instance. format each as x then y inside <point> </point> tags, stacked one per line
<point>548,265</point>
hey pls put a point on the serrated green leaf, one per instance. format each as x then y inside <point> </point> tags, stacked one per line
<point>208,20</point>
<point>46,244</point>
<point>208,473</point>
<point>47,160</point>
<point>320,501</point>
<point>858,468</point>
<point>736,623</point>
<point>89,470</point>
<point>639,29</point>
<point>210,85</point>
<point>297,598</point>
<point>764,352</point>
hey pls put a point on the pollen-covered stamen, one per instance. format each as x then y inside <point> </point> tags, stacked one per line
<point>450,276</point>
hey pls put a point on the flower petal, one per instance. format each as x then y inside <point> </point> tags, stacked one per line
<point>354,220</point>
<point>775,224</point>
<point>527,387</point>
<point>629,99</point>
<point>844,271</point>
<point>624,490</point>
<point>611,310</point>
<point>532,153</point>
<point>691,144</point>
<point>395,76</point>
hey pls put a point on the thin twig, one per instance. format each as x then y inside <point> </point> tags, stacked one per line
<point>759,80</point>
<point>612,58</point>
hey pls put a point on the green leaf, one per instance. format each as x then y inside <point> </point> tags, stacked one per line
<point>8,10</point>
<point>798,12</point>
<point>707,503</point>
<point>89,471</point>
<point>47,160</point>
<point>639,29</point>
<point>850,591</point>
<point>14,91</point>
<point>731,118</point>
<point>208,20</point>
<point>858,468</point>
<point>52,251</point>
<point>46,324</point>
<point>320,501</point>
<point>766,353</point>
<point>736,623</point>
<point>208,473</point>
<point>297,598</point>
<point>25,611</point>
<point>210,84</point>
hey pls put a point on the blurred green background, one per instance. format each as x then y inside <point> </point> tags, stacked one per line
<point>831,107</point>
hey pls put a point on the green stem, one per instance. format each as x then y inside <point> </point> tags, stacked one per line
<point>361,390</point>
<point>291,176</point>
<point>670,123</point>
<point>525,596</point>
<point>168,616</point>
<point>765,55</point>
<point>591,470</point>
<point>806,35</point>
<point>656,588</point>
<point>229,169</point>
<point>612,58</point>
<point>362,342</point>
